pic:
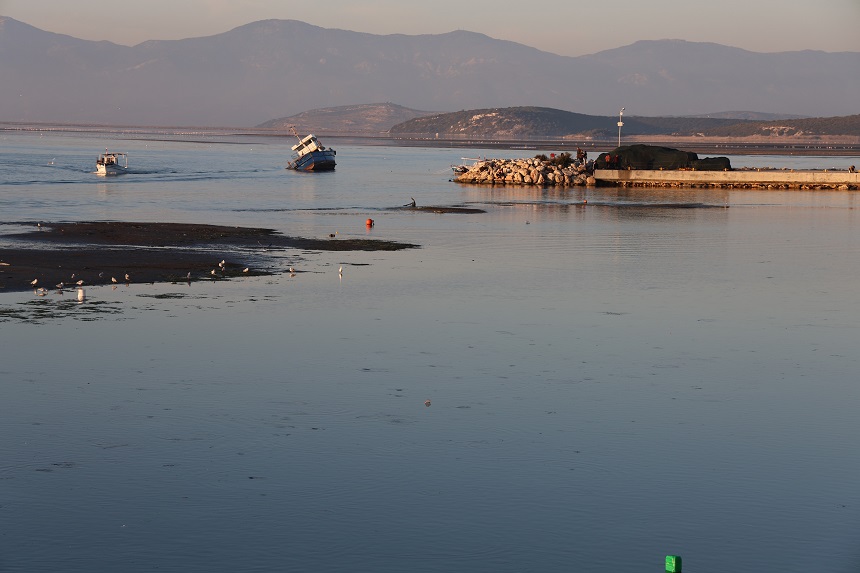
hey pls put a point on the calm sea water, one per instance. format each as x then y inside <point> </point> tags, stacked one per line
<point>653,373</point>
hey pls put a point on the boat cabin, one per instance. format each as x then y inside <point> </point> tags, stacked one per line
<point>118,159</point>
<point>308,144</point>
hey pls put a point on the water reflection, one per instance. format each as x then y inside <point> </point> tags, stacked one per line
<point>650,349</point>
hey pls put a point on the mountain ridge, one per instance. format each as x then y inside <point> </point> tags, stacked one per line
<point>279,68</point>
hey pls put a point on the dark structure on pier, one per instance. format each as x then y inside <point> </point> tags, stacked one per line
<point>655,157</point>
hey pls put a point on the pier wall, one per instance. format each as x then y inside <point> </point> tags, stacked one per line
<point>751,179</point>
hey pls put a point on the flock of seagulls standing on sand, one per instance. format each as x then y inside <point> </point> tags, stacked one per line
<point>221,269</point>
<point>78,285</point>
<point>42,291</point>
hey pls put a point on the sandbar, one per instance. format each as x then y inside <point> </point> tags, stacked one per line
<point>99,252</point>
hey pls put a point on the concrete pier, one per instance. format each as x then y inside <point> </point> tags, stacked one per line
<point>740,179</point>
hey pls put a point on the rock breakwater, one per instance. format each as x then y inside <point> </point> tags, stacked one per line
<point>535,171</point>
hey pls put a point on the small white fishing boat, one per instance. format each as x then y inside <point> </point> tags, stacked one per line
<point>112,163</point>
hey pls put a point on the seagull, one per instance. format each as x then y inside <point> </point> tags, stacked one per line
<point>245,270</point>
<point>80,282</point>
<point>188,276</point>
<point>213,272</point>
<point>41,291</point>
<point>113,279</point>
<point>222,263</point>
<point>34,281</point>
<point>340,270</point>
<point>60,286</point>
<point>292,271</point>
<point>427,402</point>
<point>127,278</point>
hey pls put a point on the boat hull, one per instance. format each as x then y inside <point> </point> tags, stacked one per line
<point>314,161</point>
<point>110,169</point>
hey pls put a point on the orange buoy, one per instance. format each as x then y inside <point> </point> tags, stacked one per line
<point>369,222</point>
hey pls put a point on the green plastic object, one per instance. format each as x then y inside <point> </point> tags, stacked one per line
<point>673,564</point>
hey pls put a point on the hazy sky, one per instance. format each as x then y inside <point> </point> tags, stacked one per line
<point>566,27</point>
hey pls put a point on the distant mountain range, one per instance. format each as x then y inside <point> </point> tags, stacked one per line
<point>279,68</point>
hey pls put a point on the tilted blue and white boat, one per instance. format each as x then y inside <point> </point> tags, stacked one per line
<point>310,155</point>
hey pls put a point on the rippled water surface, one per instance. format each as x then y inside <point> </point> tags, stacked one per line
<point>648,373</point>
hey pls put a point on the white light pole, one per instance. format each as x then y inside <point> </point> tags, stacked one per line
<point>620,124</point>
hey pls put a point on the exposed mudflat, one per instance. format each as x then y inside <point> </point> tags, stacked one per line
<point>98,252</point>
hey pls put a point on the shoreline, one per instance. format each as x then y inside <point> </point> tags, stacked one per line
<point>834,145</point>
